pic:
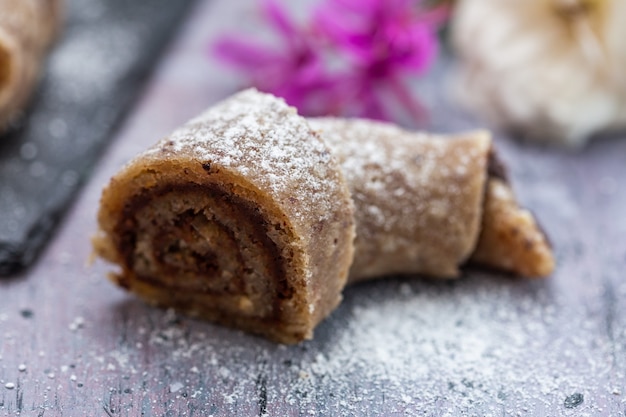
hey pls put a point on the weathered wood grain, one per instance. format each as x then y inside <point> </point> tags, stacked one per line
<point>485,345</point>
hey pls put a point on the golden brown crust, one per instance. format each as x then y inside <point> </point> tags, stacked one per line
<point>510,238</point>
<point>425,203</point>
<point>27,28</point>
<point>240,217</point>
<point>418,197</point>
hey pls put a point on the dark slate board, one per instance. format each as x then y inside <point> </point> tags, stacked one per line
<point>98,67</point>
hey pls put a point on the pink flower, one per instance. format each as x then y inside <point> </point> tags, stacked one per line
<point>386,41</point>
<point>353,59</point>
<point>294,70</point>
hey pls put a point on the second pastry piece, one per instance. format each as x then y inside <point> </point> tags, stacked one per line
<point>428,204</point>
<point>27,27</point>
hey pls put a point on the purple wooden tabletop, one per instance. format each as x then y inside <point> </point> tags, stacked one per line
<point>72,344</point>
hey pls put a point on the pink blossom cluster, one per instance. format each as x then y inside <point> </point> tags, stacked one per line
<point>350,58</point>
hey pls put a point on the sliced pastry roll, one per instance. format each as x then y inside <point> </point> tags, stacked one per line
<point>27,28</point>
<point>246,215</point>
<point>242,217</point>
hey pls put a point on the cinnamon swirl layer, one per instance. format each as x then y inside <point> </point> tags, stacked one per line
<point>241,217</point>
<point>27,27</point>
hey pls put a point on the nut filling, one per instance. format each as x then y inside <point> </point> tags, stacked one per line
<point>201,239</point>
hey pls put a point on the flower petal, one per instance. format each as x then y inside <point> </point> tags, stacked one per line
<point>412,105</point>
<point>279,19</point>
<point>244,54</point>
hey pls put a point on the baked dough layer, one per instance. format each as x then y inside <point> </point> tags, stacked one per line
<point>429,204</point>
<point>418,197</point>
<point>511,238</point>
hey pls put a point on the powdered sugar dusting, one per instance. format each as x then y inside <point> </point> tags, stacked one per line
<point>261,138</point>
<point>362,145</point>
<point>418,197</point>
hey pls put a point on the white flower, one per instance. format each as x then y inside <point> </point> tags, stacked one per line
<point>553,69</point>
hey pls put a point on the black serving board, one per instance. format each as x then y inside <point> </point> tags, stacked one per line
<point>105,53</point>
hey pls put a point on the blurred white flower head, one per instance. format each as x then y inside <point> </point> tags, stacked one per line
<point>555,70</point>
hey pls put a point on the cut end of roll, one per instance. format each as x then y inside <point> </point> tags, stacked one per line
<point>240,217</point>
<point>208,251</point>
<point>510,239</point>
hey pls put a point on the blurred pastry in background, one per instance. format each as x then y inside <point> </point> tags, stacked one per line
<point>27,28</point>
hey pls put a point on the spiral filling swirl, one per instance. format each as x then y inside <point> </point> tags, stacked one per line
<point>203,239</point>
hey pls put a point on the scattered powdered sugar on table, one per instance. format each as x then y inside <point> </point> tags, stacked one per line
<point>480,346</point>
<point>453,349</point>
<point>483,345</point>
